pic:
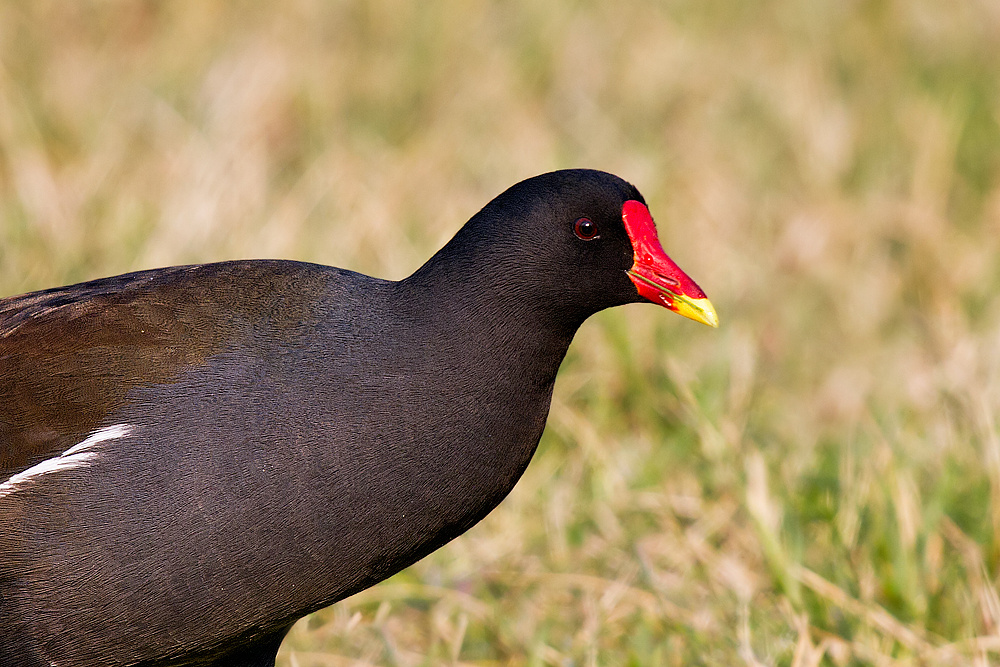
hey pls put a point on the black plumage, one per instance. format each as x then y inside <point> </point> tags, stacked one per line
<point>193,458</point>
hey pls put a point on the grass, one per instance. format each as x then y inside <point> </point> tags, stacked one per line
<point>815,483</point>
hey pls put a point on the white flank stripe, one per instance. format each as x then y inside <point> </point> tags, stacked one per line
<point>75,457</point>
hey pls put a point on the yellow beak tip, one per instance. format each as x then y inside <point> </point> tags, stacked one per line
<point>699,310</point>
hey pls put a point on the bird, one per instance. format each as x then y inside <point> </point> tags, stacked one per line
<point>193,458</point>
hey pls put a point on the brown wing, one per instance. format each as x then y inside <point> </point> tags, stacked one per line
<point>69,356</point>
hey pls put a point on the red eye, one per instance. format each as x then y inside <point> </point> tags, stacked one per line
<point>585,229</point>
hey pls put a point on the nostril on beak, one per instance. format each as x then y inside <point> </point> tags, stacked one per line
<point>673,282</point>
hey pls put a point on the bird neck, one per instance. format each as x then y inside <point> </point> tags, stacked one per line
<point>493,327</point>
<point>501,350</point>
<point>494,285</point>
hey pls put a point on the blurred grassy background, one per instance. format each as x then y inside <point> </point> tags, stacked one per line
<point>815,483</point>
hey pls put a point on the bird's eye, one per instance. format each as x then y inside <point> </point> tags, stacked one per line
<point>585,229</point>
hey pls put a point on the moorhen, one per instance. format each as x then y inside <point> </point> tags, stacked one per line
<point>193,458</point>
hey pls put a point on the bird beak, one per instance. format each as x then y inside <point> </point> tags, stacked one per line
<point>655,275</point>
